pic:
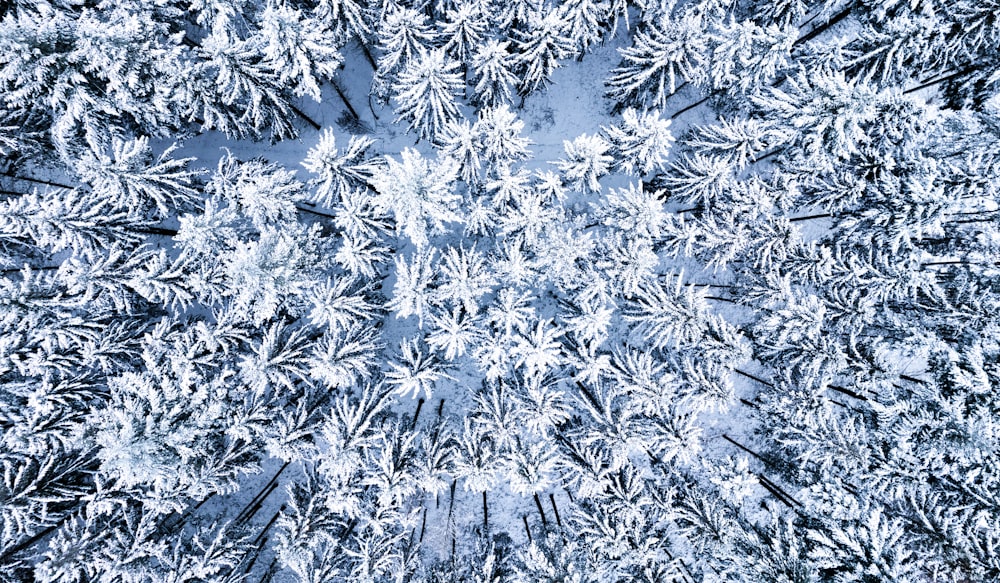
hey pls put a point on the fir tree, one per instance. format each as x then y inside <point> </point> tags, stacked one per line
<point>663,51</point>
<point>339,174</point>
<point>586,21</point>
<point>539,50</point>
<point>500,131</point>
<point>493,64</point>
<point>345,18</point>
<point>641,143</point>
<point>463,29</point>
<point>231,88</point>
<point>403,34</point>
<point>425,94</point>
<point>420,197</point>
<point>586,161</point>
<point>298,49</point>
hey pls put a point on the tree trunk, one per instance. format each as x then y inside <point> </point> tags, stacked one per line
<point>340,93</point>
<point>316,213</point>
<point>753,378</point>
<point>33,539</point>
<point>819,28</point>
<point>303,115</point>
<point>526,529</point>
<point>541,512</point>
<point>744,448</point>
<point>451,503</point>
<point>721,299</point>
<point>848,392</point>
<point>933,82</point>
<point>261,539</point>
<point>157,231</point>
<point>778,492</point>
<point>262,494</point>
<point>37,181</point>
<point>810,217</point>
<point>555,510</point>
<point>690,107</point>
<point>416,414</point>
<point>486,513</point>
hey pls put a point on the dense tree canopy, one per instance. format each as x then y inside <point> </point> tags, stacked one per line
<point>299,291</point>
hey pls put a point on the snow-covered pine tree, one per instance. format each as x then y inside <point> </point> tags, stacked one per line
<point>347,19</point>
<point>454,332</point>
<point>740,140</point>
<point>419,193</point>
<point>629,262</point>
<point>635,211</point>
<point>746,56</point>
<point>339,173</point>
<point>530,467</point>
<point>525,213</point>
<point>510,312</point>
<point>464,278</point>
<point>538,350</point>
<point>135,180</point>
<point>342,358</point>
<point>403,33</point>
<point>641,142</point>
<point>826,113</point>
<point>70,220</point>
<point>664,53</point>
<point>668,316</point>
<point>415,285</point>
<point>586,22</point>
<point>425,93</point>
<point>416,370</point>
<point>539,49</point>
<point>462,143</point>
<point>586,161</point>
<point>476,462</point>
<point>500,132</point>
<point>298,48</point>
<point>230,87</point>
<point>85,79</point>
<point>463,32</point>
<point>511,187</point>
<point>494,66</point>
<point>514,14</point>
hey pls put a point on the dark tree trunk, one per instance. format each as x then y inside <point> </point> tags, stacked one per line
<point>416,414</point>
<point>541,512</point>
<point>38,181</point>
<point>340,93</point>
<point>684,110</point>
<point>251,508</point>
<point>262,539</point>
<point>819,28</point>
<point>753,378</point>
<point>305,117</point>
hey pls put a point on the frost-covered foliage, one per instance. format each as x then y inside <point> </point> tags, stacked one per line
<point>419,193</point>
<point>642,141</point>
<point>724,309</point>
<point>425,93</point>
<point>586,161</point>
